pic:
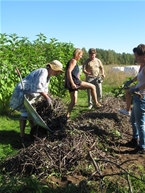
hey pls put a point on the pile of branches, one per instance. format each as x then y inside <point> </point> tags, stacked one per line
<point>63,154</point>
<point>91,138</point>
<point>54,116</point>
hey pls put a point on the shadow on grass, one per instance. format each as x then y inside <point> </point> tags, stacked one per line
<point>11,137</point>
<point>32,185</point>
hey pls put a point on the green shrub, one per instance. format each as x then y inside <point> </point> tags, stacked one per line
<point>20,53</point>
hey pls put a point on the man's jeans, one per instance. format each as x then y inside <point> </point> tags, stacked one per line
<point>138,119</point>
<point>94,81</point>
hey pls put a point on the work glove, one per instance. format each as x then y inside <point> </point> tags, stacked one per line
<point>49,102</point>
<point>133,90</point>
<point>127,83</point>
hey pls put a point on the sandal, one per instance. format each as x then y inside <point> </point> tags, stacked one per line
<point>98,105</point>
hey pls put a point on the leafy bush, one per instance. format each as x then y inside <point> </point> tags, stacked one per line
<point>20,53</point>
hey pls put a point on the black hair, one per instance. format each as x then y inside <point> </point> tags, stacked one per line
<point>140,49</point>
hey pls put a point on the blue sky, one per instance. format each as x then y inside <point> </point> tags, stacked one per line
<point>115,25</point>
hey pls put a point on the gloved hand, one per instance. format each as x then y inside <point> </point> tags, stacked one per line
<point>128,83</point>
<point>49,102</point>
<point>133,90</point>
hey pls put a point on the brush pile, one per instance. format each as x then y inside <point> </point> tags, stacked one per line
<point>88,148</point>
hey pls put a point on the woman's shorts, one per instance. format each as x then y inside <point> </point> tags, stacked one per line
<point>24,114</point>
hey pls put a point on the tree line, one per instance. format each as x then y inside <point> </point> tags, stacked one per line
<point>111,57</point>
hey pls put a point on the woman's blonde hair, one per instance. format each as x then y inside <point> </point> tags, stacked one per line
<point>77,51</point>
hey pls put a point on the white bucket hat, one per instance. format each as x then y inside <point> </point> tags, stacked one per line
<point>56,65</point>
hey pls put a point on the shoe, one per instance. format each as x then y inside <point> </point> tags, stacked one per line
<point>125,112</point>
<point>98,105</point>
<point>133,143</point>
<point>90,107</point>
<point>139,150</point>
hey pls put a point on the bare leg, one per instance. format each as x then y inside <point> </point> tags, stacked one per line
<point>73,96</point>
<point>22,126</point>
<point>128,100</point>
<point>86,85</point>
<point>31,123</point>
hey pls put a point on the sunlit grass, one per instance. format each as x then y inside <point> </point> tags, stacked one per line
<point>9,135</point>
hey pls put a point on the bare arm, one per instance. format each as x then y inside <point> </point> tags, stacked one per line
<point>44,95</point>
<point>102,71</point>
<point>84,70</point>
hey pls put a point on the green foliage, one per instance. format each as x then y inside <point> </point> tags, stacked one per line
<point>119,91</point>
<point>20,53</point>
<point>107,89</point>
<point>139,183</point>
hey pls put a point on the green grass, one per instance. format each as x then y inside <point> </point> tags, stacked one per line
<point>9,135</point>
<point>82,104</point>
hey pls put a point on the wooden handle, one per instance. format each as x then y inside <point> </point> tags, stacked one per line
<point>20,78</point>
<point>18,71</point>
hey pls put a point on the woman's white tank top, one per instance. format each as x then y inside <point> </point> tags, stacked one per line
<point>141,80</point>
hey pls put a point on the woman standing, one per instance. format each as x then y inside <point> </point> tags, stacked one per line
<point>138,111</point>
<point>73,82</point>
